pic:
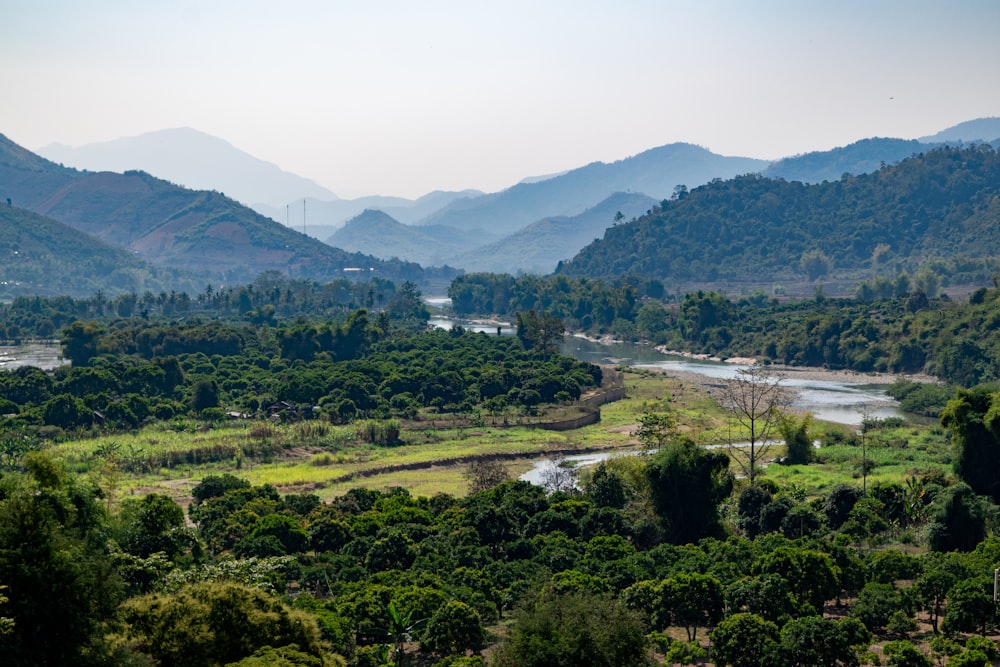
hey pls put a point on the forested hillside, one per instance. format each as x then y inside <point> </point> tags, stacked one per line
<point>39,256</point>
<point>171,226</point>
<point>757,231</point>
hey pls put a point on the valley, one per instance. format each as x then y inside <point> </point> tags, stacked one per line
<point>232,416</point>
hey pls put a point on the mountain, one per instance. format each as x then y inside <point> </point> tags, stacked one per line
<point>940,207</point>
<point>381,235</point>
<point>540,246</point>
<point>173,226</point>
<point>323,218</point>
<point>195,160</point>
<point>980,129</point>
<point>39,256</point>
<point>861,157</point>
<point>655,172</point>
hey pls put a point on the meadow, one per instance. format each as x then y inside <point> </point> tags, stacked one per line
<point>433,451</point>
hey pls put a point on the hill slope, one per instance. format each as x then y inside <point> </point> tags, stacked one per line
<point>195,160</point>
<point>540,246</point>
<point>861,157</point>
<point>944,204</point>
<point>980,129</point>
<point>381,235</point>
<point>39,256</point>
<point>654,172</point>
<point>173,226</point>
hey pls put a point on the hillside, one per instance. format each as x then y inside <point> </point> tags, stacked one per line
<point>39,256</point>
<point>540,246</point>
<point>861,157</point>
<point>655,172</point>
<point>944,204</point>
<point>379,234</point>
<point>979,129</point>
<point>195,160</point>
<point>173,226</point>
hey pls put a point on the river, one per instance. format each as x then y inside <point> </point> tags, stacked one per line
<point>829,400</point>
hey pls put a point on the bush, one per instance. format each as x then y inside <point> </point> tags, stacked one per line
<point>379,432</point>
<point>574,630</point>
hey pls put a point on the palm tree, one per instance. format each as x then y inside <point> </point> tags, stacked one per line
<point>401,629</point>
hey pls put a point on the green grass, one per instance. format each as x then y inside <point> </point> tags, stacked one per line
<point>319,457</point>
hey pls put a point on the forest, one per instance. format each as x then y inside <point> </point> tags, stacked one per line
<point>752,230</point>
<point>682,555</point>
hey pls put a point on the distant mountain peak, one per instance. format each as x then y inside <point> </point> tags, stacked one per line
<point>978,129</point>
<point>196,160</point>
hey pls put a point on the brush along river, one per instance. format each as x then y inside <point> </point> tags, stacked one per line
<point>842,397</point>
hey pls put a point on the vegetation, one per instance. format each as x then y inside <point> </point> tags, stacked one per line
<point>811,562</point>
<point>939,204</point>
<point>906,331</point>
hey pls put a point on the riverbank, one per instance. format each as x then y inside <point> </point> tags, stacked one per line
<point>799,373</point>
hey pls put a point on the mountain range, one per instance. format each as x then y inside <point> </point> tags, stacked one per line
<point>197,231</point>
<point>195,160</point>
<point>937,211</point>
<point>529,227</point>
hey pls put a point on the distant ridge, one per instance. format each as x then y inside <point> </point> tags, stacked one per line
<point>192,230</point>
<point>861,157</point>
<point>195,160</point>
<point>323,218</point>
<point>539,247</point>
<point>379,234</point>
<point>980,129</point>
<point>655,172</point>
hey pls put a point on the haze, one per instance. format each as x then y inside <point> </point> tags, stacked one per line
<point>403,98</point>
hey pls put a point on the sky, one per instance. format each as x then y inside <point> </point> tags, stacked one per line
<point>402,98</point>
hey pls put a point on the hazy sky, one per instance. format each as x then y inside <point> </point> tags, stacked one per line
<point>382,97</point>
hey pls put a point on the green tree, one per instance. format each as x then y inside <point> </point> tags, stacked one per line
<point>904,654</point>
<point>153,524</point>
<point>401,628</point>
<point>815,264</point>
<point>60,583</point>
<point>744,640</point>
<point>798,443</point>
<point>811,575</point>
<point>204,395</point>
<point>574,630</point>
<point>539,331</point>
<point>693,600</point>
<point>970,606</point>
<point>79,342</point>
<point>974,422</point>
<point>960,522</point>
<point>687,484</point>
<point>931,591</point>
<point>821,642</point>
<point>454,628</point>
<point>216,623</point>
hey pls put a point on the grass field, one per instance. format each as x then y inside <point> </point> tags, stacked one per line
<point>431,457</point>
